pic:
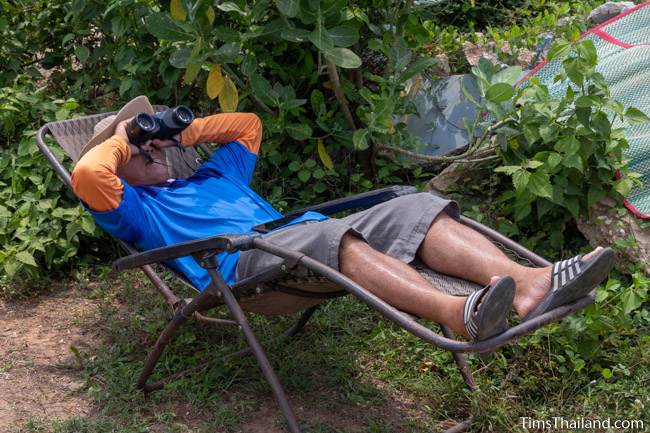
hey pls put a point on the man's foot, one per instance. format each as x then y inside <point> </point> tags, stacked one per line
<point>533,289</point>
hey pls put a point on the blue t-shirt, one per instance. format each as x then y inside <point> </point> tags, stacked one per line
<point>217,199</point>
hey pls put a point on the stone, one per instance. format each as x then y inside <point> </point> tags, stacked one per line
<point>610,224</point>
<point>608,11</point>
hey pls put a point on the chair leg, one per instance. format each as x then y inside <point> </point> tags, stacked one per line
<point>256,347</point>
<point>179,318</point>
<point>289,332</point>
<point>466,372</point>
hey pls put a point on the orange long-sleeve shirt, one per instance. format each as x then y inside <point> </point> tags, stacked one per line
<point>94,178</point>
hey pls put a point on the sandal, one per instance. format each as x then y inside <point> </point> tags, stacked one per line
<point>573,279</point>
<point>486,310</point>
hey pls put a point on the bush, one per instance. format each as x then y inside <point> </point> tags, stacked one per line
<point>41,224</point>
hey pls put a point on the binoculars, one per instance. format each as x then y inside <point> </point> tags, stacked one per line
<point>162,125</point>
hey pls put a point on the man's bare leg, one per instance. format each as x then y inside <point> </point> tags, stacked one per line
<point>399,284</point>
<point>454,249</point>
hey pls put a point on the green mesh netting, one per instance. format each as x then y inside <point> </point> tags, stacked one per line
<point>623,46</point>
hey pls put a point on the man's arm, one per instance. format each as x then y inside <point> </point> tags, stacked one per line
<point>94,178</point>
<point>245,128</point>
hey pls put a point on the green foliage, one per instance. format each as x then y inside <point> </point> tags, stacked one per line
<point>40,225</point>
<point>562,153</point>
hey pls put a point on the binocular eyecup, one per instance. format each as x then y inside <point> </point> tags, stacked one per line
<point>163,125</point>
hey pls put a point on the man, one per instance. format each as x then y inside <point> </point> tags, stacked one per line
<point>130,196</point>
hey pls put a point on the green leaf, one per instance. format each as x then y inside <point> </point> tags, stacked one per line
<point>520,179</point>
<point>180,58</point>
<point>400,55</point>
<point>164,27</point>
<point>119,26</point>
<point>417,67</point>
<point>623,187</point>
<point>634,115</point>
<point>88,225</point>
<point>630,300</point>
<point>26,258</point>
<point>601,124</point>
<point>540,184</point>
<point>191,72</point>
<point>231,7</point>
<point>508,169</point>
<point>360,139</point>
<point>574,70</point>
<point>227,53</point>
<point>568,145</point>
<point>295,35</point>
<point>11,267</point>
<point>606,373</point>
<point>82,53</point>
<point>559,50</point>
<point>304,175</point>
<point>573,161</point>
<point>343,57</point>
<point>290,8</point>
<point>321,39</point>
<point>344,35</point>
<point>299,131</point>
<point>553,160</point>
<point>595,194</point>
<point>263,90</point>
<point>500,92</point>
<point>509,75</point>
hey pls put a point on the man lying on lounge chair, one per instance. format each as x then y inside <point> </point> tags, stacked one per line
<point>131,197</point>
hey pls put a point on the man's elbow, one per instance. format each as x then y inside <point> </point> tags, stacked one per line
<point>83,175</point>
<point>254,137</point>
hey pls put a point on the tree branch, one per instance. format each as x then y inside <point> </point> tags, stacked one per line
<point>261,105</point>
<point>336,86</point>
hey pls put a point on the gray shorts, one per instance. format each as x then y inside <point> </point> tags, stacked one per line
<point>396,228</point>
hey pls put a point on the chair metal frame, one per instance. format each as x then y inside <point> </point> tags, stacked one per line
<point>219,293</point>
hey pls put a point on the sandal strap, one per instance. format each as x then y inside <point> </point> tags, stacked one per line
<point>470,308</point>
<point>565,271</point>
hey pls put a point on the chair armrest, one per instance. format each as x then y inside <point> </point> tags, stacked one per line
<point>215,244</point>
<point>364,200</point>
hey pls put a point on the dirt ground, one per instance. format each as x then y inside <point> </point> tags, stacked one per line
<point>39,375</point>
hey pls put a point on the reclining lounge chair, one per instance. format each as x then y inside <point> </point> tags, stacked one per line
<point>278,291</point>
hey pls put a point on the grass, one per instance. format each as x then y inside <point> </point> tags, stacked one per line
<point>349,371</point>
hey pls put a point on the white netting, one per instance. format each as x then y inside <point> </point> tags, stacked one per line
<point>631,28</point>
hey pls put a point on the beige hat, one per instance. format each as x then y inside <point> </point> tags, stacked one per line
<point>105,128</point>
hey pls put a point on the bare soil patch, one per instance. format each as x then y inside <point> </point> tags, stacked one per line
<point>39,374</point>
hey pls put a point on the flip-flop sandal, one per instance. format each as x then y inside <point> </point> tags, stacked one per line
<point>486,310</point>
<point>571,279</point>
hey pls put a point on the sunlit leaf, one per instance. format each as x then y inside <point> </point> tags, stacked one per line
<point>26,258</point>
<point>177,10</point>
<point>215,82</point>
<point>343,57</point>
<point>324,156</point>
<point>210,14</point>
<point>228,97</point>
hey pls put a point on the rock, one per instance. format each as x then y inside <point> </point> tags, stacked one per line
<point>474,53</point>
<point>609,10</point>
<point>611,224</point>
<point>442,67</point>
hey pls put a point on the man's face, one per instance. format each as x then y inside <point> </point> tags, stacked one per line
<point>140,170</point>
